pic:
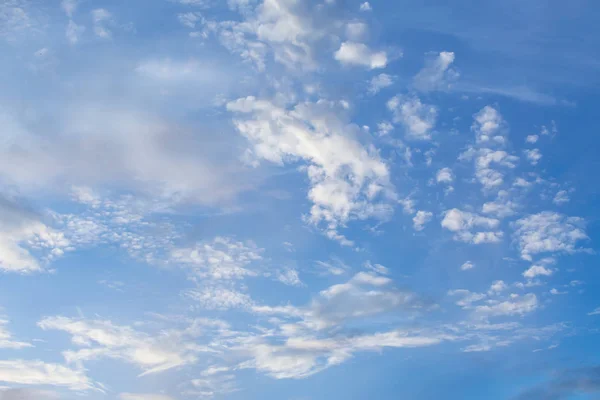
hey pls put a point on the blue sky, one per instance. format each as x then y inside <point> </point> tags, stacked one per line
<point>302,200</point>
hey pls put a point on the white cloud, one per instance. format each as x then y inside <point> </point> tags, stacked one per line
<point>137,396</point>
<point>356,30</point>
<point>219,298</point>
<point>221,259</point>
<point>500,208</point>
<point>353,53</point>
<point>532,139</point>
<point>497,287</point>
<point>436,74</point>
<point>22,230</point>
<point>562,197</point>
<point>533,156</point>
<point>548,232</point>
<point>418,118</point>
<point>488,126</point>
<point>103,339</point>
<point>22,372</point>
<point>467,265</point>
<point>349,181</point>
<point>288,276</point>
<point>517,305</point>
<point>444,175</point>
<point>420,219</point>
<point>467,298</point>
<point>595,312</point>
<point>379,82</point>
<point>365,6</point>
<point>537,270</point>
<point>6,340</point>
<point>462,223</point>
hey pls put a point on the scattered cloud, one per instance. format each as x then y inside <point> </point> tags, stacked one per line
<point>417,118</point>
<point>436,74</point>
<point>359,54</point>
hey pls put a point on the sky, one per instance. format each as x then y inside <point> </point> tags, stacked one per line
<point>299,200</point>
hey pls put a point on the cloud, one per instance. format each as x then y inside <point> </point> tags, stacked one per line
<point>221,259</point>
<point>103,339</point>
<point>359,54</point>
<point>417,118</point>
<point>595,312</point>
<point>22,372</point>
<point>122,148</point>
<point>436,74</point>
<point>533,156</point>
<point>488,126</point>
<point>462,223</point>
<point>467,265</point>
<point>561,197</point>
<point>365,6</point>
<point>548,232</point>
<point>537,270</point>
<point>379,82</point>
<point>219,298</point>
<point>73,32</point>
<point>22,230</point>
<point>531,139</point>
<point>101,17</point>
<point>444,175</point>
<point>500,208</point>
<point>420,219</point>
<point>348,180</point>
<point>516,305</point>
<point>6,341</point>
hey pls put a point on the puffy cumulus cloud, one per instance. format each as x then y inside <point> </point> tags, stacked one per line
<point>515,305</point>
<point>379,82</point>
<point>6,340</point>
<point>138,396</point>
<point>502,207</point>
<point>349,181</point>
<point>420,219</point>
<point>531,139</point>
<point>533,156</point>
<point>537,270</point>
<point>488,126</point>
<point>471,228</point>
<point>24,372</point>
<point>417,118</point>
<point>548,232</point>
<point>103,339</point>
<point>222,258</point>
<point>485,158</point>
<point>123,148</point>
<point>444,175</point>
<point>359,54</point>
<point>22,230</point>
<point>27,394</point>
<point>436,74</point>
